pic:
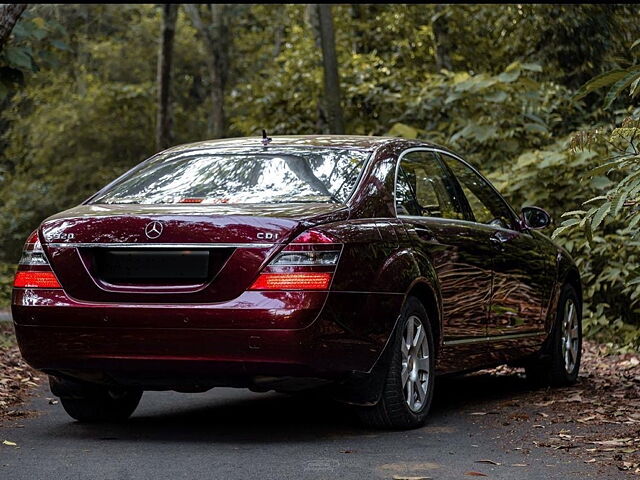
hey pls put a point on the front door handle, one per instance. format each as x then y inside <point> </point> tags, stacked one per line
<point>424,233</point>
<point>499,239</point>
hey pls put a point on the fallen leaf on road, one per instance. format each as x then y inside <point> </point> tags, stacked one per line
<point>401,477</point>
<point>519,464</point>
<point>586,419</point>
<point>10,444</point>
<point>475,474</point>
<point>573,398</point>
<point>615,442</point>
<point>490,462</point>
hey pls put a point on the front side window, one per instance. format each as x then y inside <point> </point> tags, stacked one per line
<point>487,206</point>
<point>425,188</point>
<point>213,176</point>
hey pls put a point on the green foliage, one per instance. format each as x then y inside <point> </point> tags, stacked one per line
<point>34,44</point>
<point>603,229</point>
<point>617,80</point>
<point>609,266</point>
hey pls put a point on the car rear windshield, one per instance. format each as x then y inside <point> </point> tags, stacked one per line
<point>266,175</point>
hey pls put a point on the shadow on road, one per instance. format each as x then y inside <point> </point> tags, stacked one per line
<point>226,415</point>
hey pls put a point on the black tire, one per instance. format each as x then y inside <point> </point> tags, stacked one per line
<point>102,405</point>
<point>554,370</point>
<point>392,410</point>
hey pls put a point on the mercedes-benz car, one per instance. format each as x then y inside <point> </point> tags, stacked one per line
<point>359,266</point>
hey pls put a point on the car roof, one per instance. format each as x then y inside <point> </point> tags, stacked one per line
<point>354,142</point>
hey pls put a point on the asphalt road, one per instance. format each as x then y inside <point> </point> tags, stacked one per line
<point>236,434</point>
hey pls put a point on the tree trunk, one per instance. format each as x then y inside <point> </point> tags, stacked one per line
<point>330,63</point>
<point>217,39</point>
<point>441,40</point>
<point>313,20</point>
<point>164,123</point>
<point>9,16</point>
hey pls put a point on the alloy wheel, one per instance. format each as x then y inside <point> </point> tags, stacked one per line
<point>415,364</point>
<point>570,336</point>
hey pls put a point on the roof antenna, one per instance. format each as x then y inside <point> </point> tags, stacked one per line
<point>265,140</point>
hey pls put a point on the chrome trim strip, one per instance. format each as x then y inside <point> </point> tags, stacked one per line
<point>495,338</point>
<point>162,245</point>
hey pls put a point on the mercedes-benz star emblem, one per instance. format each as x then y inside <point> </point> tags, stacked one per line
<point>153,230</point>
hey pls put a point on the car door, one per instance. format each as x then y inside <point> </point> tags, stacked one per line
<point>428,202</point>
<point>520,266</point>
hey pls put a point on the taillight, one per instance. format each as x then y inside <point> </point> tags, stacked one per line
<point>292,281</point>
<point>36,280</point>
<point>34,270</point>
<point>307,263</point>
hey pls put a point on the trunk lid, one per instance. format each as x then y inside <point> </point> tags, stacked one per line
<point>171,253</point>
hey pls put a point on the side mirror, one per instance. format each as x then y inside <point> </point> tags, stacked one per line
<point>535,218</point>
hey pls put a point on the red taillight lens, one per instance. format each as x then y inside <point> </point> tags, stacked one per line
<point>292,281</point>
<point>33,238</point>
<point>34,279</point>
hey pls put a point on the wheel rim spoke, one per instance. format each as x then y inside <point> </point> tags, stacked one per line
<point>409,333</point>
<point>421,393</point>
<point>423,364</point>
<point>404,375</point>
<point>405,350</point>
<point>410,399</point>
<point>417,341</point>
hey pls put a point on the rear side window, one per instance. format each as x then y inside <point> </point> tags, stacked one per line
<point>210,176</point>
<point>425,188</point>
<point>487,206</point>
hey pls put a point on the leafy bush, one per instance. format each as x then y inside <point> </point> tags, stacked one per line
<point>7,271</point>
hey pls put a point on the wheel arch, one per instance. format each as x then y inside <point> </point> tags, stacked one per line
<point>572,277</point>
<point>566,273</point>
<point>365,388</point>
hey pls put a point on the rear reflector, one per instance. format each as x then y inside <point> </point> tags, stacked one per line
<point>33,279</point>
<point>292,281</point>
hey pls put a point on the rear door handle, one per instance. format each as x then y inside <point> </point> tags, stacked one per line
<point>424,233</point>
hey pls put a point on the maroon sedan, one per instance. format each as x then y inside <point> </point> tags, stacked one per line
<point>361,265</point>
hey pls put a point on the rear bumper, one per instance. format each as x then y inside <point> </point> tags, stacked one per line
<point>170,359</point>
<point>191,346</point>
